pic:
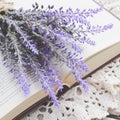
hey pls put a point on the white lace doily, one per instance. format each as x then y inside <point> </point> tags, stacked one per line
<point>102,99</point>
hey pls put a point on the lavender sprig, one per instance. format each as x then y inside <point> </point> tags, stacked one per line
<point>29,40</point>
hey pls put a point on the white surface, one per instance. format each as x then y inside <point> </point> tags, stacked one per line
<point>103,40</point>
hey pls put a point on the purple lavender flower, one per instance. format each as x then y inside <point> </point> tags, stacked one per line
<point>30,39</point>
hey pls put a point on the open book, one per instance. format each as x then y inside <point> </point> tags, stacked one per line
<point>12,99</point>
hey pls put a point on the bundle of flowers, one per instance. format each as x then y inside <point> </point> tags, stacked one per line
<point>31,39</point>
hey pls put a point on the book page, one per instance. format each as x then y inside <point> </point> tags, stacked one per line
<point>11,94</point>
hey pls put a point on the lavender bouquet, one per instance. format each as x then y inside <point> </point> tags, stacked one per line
<point>30,39</point>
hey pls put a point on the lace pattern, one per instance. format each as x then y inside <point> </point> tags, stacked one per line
<point>102,99</point>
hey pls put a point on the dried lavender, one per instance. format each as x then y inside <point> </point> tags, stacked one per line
<point>30,39</point>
